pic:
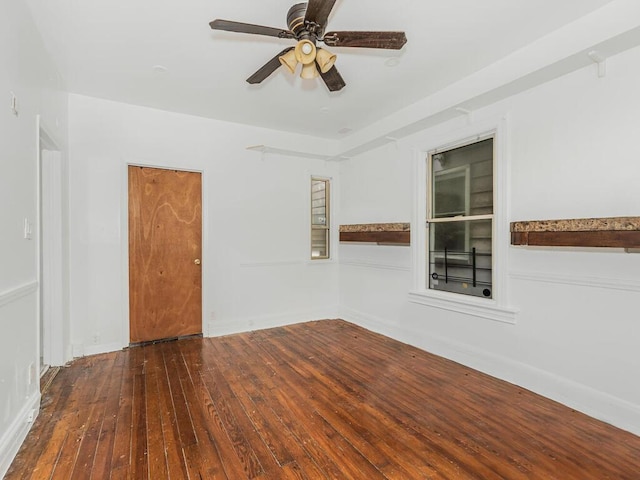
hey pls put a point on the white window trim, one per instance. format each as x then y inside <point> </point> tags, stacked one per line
<point>497,308</point>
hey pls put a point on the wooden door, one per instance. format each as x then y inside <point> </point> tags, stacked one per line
<point>165,245</point>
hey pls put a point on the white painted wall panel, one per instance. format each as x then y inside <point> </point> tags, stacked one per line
<point>25,70</point>
<point>573,152</point>
<point>255,214</point>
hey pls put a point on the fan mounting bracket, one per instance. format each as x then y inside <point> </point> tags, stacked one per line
<point>330,40</point>
<point>314,28</point>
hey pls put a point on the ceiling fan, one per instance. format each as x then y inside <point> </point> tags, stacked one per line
<point>307,23</point>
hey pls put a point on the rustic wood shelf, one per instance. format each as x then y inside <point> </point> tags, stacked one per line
<point>617,232</point>
<point>381,233</point>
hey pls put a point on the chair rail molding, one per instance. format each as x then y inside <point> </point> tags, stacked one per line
<point>17,293</point>
<point>625,284</point>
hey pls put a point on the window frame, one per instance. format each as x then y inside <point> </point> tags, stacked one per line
<point>497,308</point>
<point>326,227</point>
<point>432,216</point>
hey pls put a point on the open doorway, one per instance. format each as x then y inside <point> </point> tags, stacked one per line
<point>51,275</point>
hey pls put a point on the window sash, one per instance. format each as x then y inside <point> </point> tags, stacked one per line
<point>460,218</point>
<point>433,217</point>
<point>320,219</point>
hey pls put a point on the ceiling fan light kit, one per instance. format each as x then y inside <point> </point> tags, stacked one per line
<point>305,52</point>
<point>289,60</point>
<point>325,59</point>
<point>309,71</point>
<point>307,22</point>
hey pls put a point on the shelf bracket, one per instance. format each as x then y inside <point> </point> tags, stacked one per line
<point>393,140</point>
<point>467,112</point>
<point>600,61</point>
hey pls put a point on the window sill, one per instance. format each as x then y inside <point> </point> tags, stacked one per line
<point>488,309</point>
<point>321,261</point>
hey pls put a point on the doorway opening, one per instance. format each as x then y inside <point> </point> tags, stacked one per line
<point>50,265</point>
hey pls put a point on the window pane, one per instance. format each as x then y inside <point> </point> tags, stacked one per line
<point>451,197</point>
<point>319,243</point>
<point>463,180</point>
<point>319,218</point>
<point>318,202</point>
<point>460,257</point>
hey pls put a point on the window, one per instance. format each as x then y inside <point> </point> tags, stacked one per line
<point>319,218</point>
<point>460,219</point>
<point>462,191</point>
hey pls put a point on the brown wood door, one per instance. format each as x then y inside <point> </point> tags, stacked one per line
<point>165,245</point>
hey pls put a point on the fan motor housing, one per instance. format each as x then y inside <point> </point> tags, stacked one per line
<point>295,18</point>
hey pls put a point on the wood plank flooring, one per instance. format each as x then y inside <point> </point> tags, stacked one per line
<point>309,401</point>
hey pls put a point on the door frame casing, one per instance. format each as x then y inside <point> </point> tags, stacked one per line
<point>51,342</point>
<point>124,242</point>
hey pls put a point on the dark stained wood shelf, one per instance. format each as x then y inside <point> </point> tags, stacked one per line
<point>617,232</point>
<point>381,233</point>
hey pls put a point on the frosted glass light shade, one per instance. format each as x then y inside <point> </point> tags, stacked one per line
<point>325,60</point>
<point>309,71</point>
<point>289,60</point>
<point>305,52</point>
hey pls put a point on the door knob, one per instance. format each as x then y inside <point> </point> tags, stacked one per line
<point>197,261</point>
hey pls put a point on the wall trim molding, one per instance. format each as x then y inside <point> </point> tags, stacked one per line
<point>376,265</point>
<point>218,328</point>
<point>17,293</point>
<point>466,304</point>
<point>276,263</point>
<point>11,441</point>
<point>101,348</point>
<point>628,285</point>
<point>592,402</point>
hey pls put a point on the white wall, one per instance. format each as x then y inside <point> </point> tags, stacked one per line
<point>572,149</point>
<point>255,214</point>
<point>25,69</point>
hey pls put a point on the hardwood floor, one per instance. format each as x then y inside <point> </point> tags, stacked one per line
<point>309,401</point>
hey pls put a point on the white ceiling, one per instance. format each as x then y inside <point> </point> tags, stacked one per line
<point>108,49</point>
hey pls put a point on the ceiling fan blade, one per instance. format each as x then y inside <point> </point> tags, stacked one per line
<point>332,79</point>
<point>268,68</point>
<point>239,27</point>
<point>388,40</point>
<point>318,11</point>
